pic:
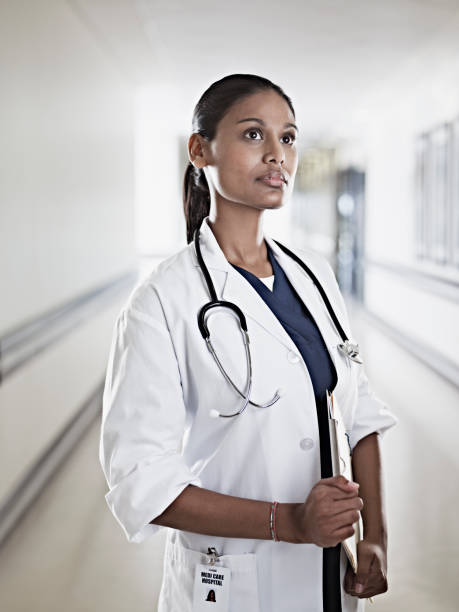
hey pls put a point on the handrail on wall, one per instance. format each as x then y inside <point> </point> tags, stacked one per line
<point>444,286</point>
<point>25,341</point>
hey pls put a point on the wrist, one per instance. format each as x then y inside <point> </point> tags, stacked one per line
<point>377,535</point>
<point>287,523</point>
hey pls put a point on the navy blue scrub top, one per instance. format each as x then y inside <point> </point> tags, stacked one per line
<point>298,323</point>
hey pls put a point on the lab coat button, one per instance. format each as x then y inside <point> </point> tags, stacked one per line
<point>306,443</point>
<point>293,357</point>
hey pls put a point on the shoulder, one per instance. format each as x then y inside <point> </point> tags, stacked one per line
<point>318,264</point>
<point>321,268</point>
<point>147,296</point>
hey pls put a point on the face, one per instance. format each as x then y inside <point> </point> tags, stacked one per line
<point>254,142</point>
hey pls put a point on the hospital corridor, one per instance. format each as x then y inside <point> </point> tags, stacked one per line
<point>96,116</point>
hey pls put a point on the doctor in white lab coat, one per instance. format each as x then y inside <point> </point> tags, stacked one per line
<point>161,445</point>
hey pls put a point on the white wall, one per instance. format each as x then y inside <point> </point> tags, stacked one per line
<point>67,214</point>
<point>420,94</point>
<point>66,160</point>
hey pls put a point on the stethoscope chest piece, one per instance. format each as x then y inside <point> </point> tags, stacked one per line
<point>349,350</point>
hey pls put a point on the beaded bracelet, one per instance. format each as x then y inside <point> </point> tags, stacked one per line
<point>272,521</point>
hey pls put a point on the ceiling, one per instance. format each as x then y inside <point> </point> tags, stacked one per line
<point>327,55</point>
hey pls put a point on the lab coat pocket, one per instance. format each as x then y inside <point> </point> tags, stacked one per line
<point>178,581</point>
<point>244,582</point>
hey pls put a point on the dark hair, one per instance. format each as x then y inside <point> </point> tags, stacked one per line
<point>210,109</point>
<point>211,595</point>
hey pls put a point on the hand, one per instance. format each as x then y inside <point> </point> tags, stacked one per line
<point>330,510</point>
<point>371,577</point>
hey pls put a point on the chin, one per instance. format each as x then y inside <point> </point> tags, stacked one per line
<point>275,206</point>
<point>270,205</point>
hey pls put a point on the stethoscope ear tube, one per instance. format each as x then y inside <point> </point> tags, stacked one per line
<point>202,265</point>
<point>321,290</point>
<point>351,351</point>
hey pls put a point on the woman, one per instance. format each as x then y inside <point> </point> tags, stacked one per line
<point>256,487</point>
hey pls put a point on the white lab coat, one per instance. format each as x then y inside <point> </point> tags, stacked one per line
<point>157,435</point>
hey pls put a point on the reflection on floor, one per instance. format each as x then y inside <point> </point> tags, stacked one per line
<point>70,554</point>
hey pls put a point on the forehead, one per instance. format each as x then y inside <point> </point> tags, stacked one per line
<point>267,105</point>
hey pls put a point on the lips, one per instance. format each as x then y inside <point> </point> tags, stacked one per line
<point>277,176</point>
<point>273,179</point>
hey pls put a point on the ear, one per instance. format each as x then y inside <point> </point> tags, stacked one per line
<point>196,152</point>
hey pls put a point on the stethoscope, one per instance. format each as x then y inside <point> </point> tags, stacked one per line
<point>351,351</point>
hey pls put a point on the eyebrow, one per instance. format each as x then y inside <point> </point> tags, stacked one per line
<point>261,122</point>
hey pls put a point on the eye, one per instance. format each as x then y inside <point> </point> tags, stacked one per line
<point>290,135</point>
<point>253,131</point>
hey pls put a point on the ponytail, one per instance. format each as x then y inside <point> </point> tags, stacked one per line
<point>211,107</point>
<point>196,199</point>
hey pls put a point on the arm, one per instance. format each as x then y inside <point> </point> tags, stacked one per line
<point>203,511</point>
<point>143,419</point>
<point>372,550</point>
<point>366,461</point>
<point>324,519</point>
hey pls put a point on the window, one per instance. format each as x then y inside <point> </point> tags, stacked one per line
<point>437,195</point>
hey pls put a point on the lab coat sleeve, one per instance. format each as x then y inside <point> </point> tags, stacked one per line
<point>371,413</point>
<point>143,421</point>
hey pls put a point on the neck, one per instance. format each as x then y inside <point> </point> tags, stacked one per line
<point>239,233</point>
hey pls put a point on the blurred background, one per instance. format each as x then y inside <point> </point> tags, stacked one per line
<point>96,104</point>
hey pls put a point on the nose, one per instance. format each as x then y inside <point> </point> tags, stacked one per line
<point>274,151</point>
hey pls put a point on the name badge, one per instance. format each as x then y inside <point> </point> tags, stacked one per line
<point>211,587</point>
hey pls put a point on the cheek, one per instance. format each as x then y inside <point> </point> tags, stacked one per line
<point>233,169</point>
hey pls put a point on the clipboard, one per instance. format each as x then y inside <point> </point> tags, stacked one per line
<point>342,464</point>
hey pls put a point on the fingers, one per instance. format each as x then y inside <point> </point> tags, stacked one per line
<point>340,482</point>
<point>343,533</point>
<point>370,585</point>
<point>344,505</point>
<point>370,579</point>
<point>330,510</point>
<point>344,520</point>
